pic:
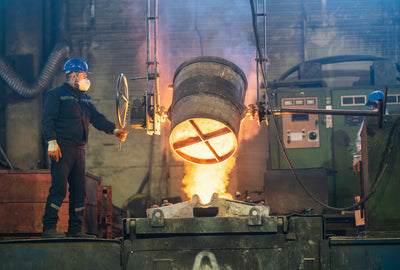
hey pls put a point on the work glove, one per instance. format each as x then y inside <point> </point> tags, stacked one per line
<point>54,151</point>
<point>121,134</point>
<point>357,166</point>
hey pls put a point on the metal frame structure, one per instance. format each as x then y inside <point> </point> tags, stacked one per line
<point>263,61</point>
<point>152,98</point>
<point>148,109</point>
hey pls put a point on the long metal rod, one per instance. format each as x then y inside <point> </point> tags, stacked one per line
<point>280,111</point>
<point>378,113</point>
<point>261,59</point>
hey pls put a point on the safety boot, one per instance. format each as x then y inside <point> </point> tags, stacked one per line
<point>52,233</point>
<point>81,235</point>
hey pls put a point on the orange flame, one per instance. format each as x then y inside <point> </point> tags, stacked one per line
<point>204,180</point>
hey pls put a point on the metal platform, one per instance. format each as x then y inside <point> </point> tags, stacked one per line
<point>69,253</point>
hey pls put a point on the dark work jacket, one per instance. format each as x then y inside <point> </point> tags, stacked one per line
<point>66,116</point>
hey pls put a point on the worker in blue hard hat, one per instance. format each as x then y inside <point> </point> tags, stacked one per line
<point>68,111</point>
<point>372,102</point>
<point>373,98</point>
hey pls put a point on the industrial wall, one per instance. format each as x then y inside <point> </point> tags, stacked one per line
<point>111,36</point>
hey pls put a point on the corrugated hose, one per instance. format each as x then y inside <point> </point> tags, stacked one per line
<point>57,56</point>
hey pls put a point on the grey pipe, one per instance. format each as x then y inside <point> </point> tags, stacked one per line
<point>57,56</point>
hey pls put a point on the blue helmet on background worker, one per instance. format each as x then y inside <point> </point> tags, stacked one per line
<point>76,65</point>
<point>374,97</point>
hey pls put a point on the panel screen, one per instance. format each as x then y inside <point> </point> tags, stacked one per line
<point>299,117</point>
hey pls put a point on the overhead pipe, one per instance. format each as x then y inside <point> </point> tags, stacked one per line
<point>58,55</point>
<point>280,111</point>
<point>331,60</point>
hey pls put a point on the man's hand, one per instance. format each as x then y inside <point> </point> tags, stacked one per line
<point>54,151</point>
<point>121,134</point>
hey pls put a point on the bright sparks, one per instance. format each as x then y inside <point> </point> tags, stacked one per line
<point>204,180</point>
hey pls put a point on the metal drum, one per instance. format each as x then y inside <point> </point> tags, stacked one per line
<point>207,108</point>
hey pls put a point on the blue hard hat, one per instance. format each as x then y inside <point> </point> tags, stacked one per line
<point>76,65</point>
<point>374,97</point>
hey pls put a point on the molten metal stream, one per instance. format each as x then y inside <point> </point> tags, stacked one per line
<point>204,180</point>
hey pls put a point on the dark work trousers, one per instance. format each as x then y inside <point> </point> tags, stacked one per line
<point>71,169</point>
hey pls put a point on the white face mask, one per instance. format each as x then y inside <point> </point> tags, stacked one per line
<point>84,85</point>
